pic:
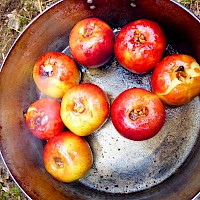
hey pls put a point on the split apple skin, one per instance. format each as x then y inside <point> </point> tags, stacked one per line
<point>54,73</point>
<point>43,118</point>
<point>91,42</point>
<point>137,114</point>
<point>140,45</point>
<point>176,79</point>
<point>84,109</point>
<point>67,157</point>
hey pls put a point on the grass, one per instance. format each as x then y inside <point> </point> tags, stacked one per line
<point>15,17</point>
<point>12,193</point>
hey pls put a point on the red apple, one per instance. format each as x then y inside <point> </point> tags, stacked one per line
<point>176,79</point>
<point>137,114</point>
<point>54,73</point>
<point>91,42</point>
<point>84,109</point>
<point>43,118</point>
<point>140,45</point>
<point>67,157</point>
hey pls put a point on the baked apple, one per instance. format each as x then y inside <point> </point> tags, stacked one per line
<point>176,79</point>
<point>140,45</point>
<point>91,42</point>
<point>43,118</point>
<point>84,109</point>
<point>67,157</point>
<point>54,73</point>
<point>137,114</point>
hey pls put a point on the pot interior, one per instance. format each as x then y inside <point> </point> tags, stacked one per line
<point>159,168</point>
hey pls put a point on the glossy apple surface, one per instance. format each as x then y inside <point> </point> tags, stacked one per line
<point>91,42</point>
<point>43,118</point>
<point>137,114</point>
<point>67,157</point>
<point>84,109</point>
<point>140,45</point>
<point>176,79</point>
<point>54,73</point>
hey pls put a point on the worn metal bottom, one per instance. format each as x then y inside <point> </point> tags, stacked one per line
<point>125,166</point>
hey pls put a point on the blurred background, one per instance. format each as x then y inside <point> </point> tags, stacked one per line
<point>14,17</point>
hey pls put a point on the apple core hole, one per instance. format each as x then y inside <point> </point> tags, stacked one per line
<point>79,107</point>
<point>87,32</point>
<point>181,74</point>
<point>139,37</point>
<point>38,121</point>
<point>46,71</point>
<point>141,111</point>
<point>180,68</point>
<point>58,161</point>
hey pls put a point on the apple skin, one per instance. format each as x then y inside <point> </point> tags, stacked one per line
<point>67,157</point>
<point>91,42</point>
<point>138,126</point>
<point>54,73</point>
<point>176,79</point>
<point>140,45</point>
<point>84,109</point>
<point>43,118</point>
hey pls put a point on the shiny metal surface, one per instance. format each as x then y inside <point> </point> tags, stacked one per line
<point>124,166</point>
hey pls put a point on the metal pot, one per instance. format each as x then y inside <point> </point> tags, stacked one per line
<point>165,167</point>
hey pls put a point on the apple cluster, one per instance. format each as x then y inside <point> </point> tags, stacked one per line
<point>74,110</point>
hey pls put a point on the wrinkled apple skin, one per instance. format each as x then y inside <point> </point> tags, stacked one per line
<point>140,45</point>
<point>67,157</point>
<point>54,73</point>
<point>84,109</point>
<point>143,126</point>
<point>43,118</point>
<point>91,42</point>
<point>187,79</point>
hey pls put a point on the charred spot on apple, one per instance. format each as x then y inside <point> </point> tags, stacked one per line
<point>180,68</point>
<point>46,70</point>
<point>59,163</point>
<point>138,112</point>
<point>181,74</point>
<point>38,121</point>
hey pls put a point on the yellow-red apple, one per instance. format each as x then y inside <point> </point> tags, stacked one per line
<point>67,157</point>
<point>43,118</point>
<point>84,109</point>
<point>176,79</point>
<point>91,42</point>
<point>54,73</point>
<point>137,114</point>
<point>140,45</point>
